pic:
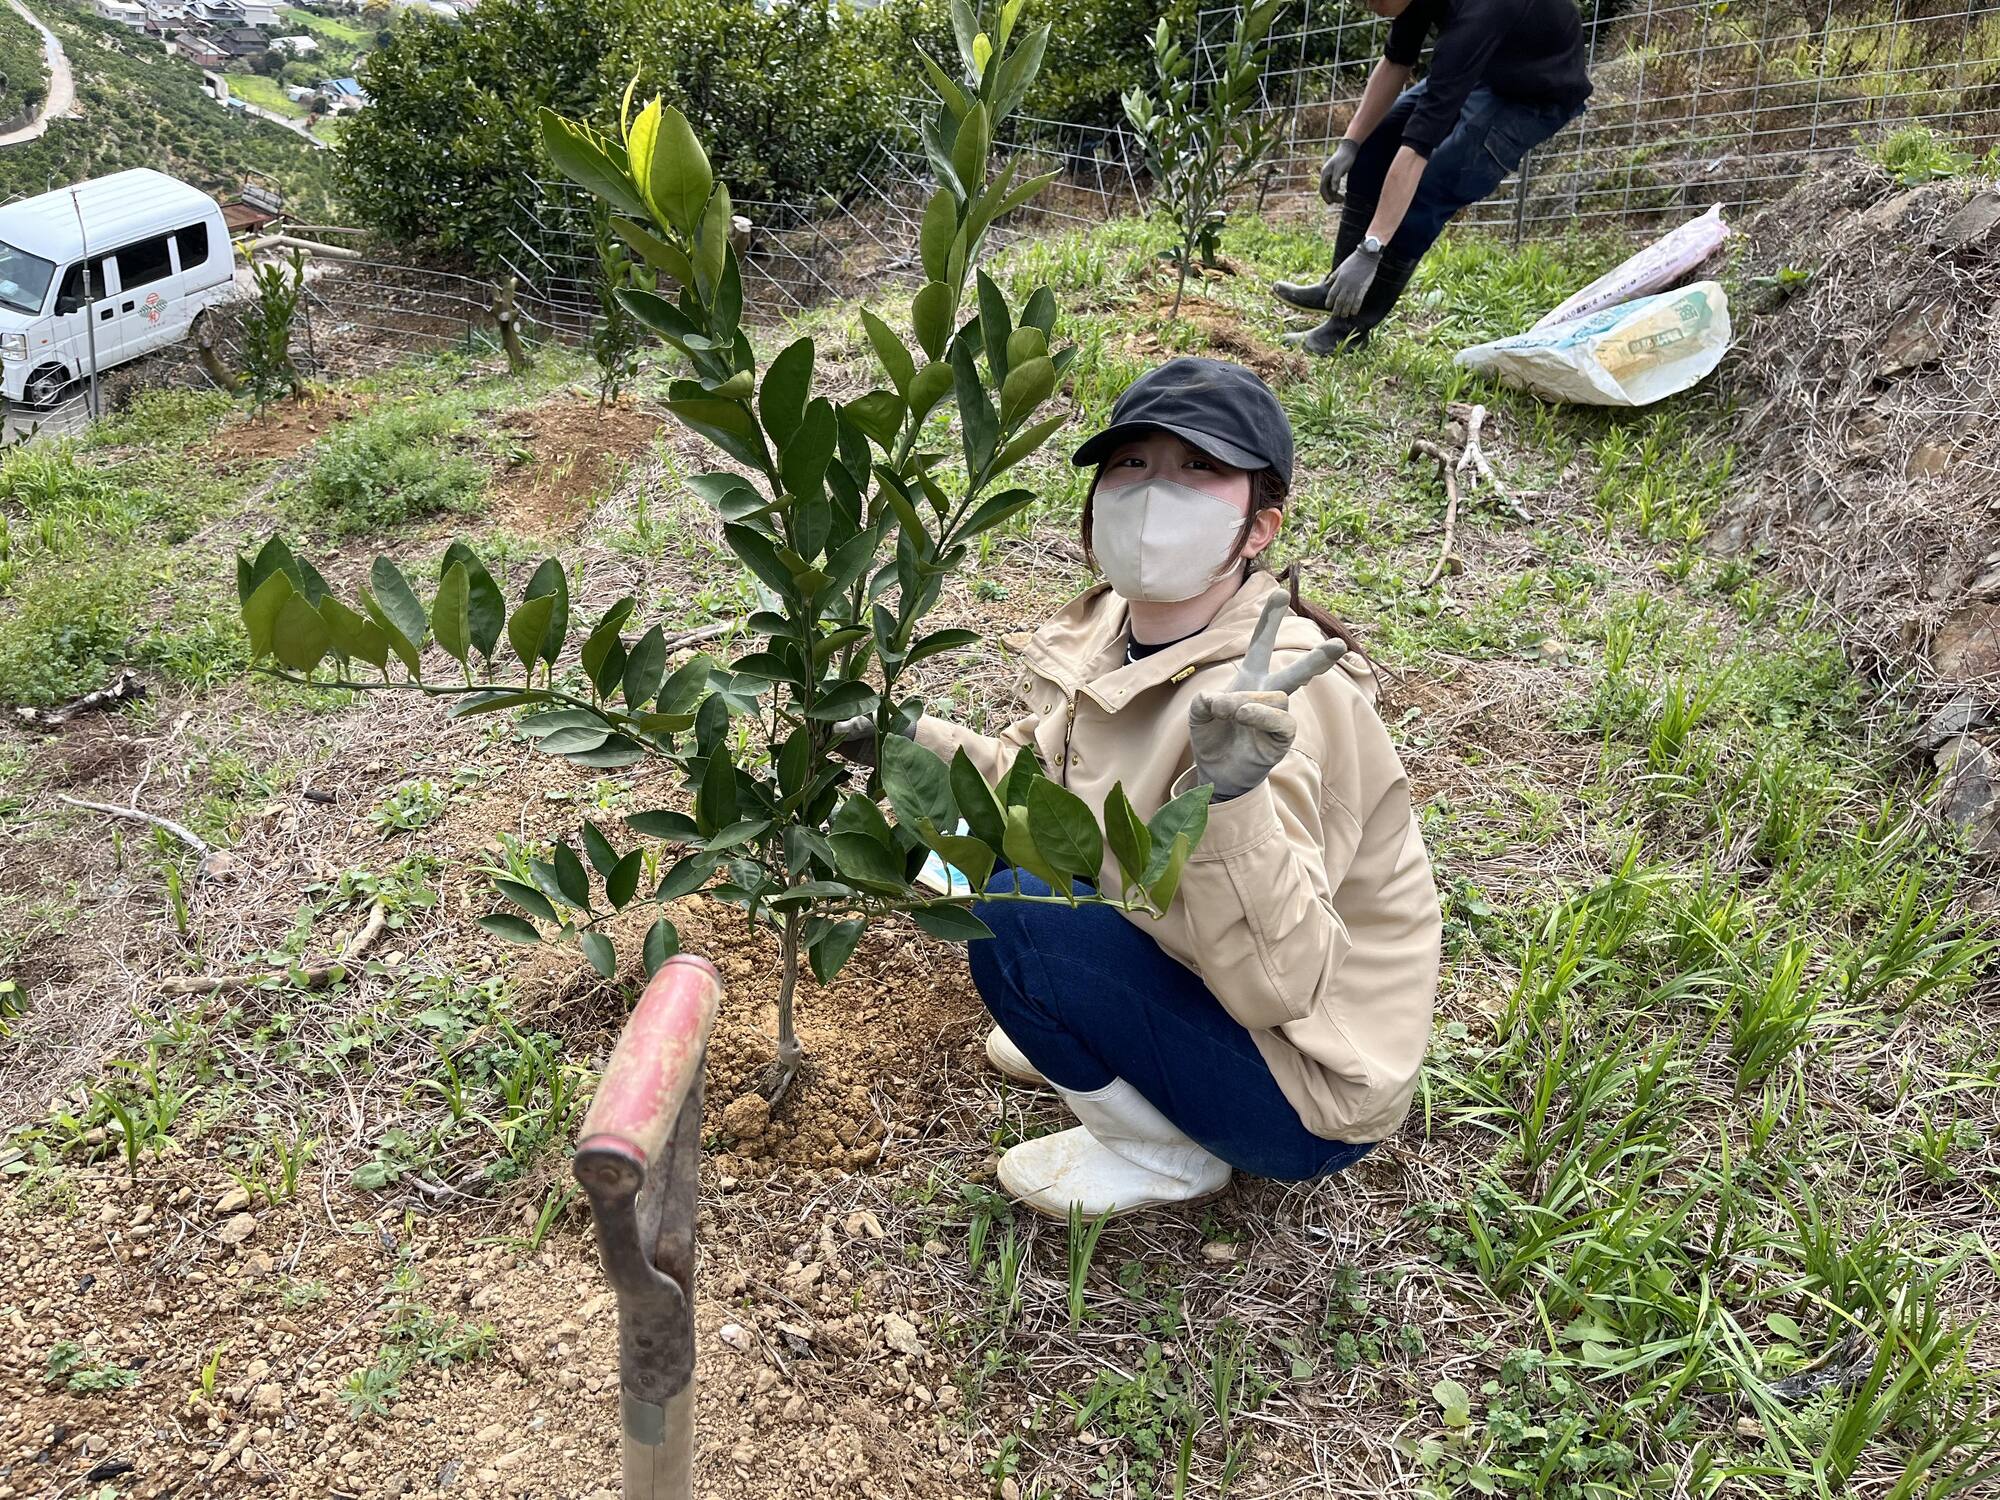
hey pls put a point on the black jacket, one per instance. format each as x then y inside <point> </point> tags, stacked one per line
<point>1525,50</point>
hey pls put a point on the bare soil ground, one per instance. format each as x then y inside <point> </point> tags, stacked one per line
<point>431,1323</point>
<point>573,449</point>
<point>833,1336</point>
<point>285,429</point>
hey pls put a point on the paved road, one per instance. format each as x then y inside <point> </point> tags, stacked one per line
<point>62,87</point>
<point>296,127</point>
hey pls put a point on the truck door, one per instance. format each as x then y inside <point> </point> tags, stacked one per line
<point>70,326</point>
<point>147,298</point>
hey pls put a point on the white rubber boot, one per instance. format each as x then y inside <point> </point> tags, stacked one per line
<point>1125,1155</point>
<point>1011,1062</point>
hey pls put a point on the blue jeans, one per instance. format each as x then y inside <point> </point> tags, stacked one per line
<point>1088,997</point>
<point>1492,136</point>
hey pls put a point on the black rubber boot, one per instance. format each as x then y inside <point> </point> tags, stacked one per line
<point>1311,295</point>
<point>1344,335</point>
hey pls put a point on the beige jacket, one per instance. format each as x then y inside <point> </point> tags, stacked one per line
<point>1308,908</point>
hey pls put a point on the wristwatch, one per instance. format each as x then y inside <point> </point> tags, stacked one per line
<point>1372,245</point>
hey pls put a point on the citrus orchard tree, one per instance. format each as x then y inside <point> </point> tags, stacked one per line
<point>1201,145</point>
<point>849,517</point>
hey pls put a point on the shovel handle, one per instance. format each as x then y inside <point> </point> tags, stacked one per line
<point>636,1162</point>
<point>656,1062</point>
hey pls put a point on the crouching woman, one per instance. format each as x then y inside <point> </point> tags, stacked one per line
<point>1273,1022</point>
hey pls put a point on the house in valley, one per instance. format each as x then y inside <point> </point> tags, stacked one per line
<point>343,95</point>
<point>239,41</point>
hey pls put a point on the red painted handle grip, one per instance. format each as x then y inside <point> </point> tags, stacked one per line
<point>653,1066</point>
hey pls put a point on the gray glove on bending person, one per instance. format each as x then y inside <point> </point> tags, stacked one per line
<point>1240,735</point>
<point>1333,176</point>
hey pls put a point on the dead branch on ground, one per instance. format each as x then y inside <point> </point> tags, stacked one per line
<point>124,688</point>
<point>180,831</point>
<point>1447,466</point>
<point>312,979</point>
<point>696,637</point>
<point>1473,459</point>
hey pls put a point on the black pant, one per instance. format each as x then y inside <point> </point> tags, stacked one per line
<point>1492,136</point>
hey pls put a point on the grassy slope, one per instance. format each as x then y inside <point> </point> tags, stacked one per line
<point>265,93</point>
<point>1709,1092</point>
<point>342,43</point>
<point>352,33</point>
<point>140,108</point>
<point>24,73</point>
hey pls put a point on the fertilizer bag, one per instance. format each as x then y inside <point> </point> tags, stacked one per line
<point>1630,355</point>
<point>1653,269</point>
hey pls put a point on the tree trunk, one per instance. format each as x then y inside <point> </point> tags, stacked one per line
<point>782,1073</point>
<point>510,332</point>
<point>1180,286</point>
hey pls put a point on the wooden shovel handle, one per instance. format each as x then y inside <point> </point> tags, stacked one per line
<point>656,1062</point>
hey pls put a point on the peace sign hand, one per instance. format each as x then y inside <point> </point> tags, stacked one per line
<point>1239,735</point>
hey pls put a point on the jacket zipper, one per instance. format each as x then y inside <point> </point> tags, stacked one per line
<point>1069,723</point>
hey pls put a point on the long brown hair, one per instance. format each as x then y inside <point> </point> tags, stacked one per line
<point>1267,492</point>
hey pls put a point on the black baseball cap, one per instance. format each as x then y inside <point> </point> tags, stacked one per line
<point>1223,409</point>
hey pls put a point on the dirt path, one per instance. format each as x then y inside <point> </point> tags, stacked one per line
<point>62,86</point>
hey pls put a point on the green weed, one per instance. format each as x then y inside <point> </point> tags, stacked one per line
<point>83,1373</point>
<point>372,1389</point>
<point>1083,1236</point>
<point>70,625</point>
<point>412,805</point>
<point>163,420</point>
<point>1917,154</point>
<point>397,465</point>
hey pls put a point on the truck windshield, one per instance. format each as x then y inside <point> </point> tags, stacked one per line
<point>24,279</point>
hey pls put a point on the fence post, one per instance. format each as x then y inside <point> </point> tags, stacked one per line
<point>1521,198</point>
<point>306,309</point>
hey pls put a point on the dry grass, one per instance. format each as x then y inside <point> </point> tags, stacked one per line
<point>1872,411</point>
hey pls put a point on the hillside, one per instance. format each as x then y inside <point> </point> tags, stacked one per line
<point>24,73</point>
<point>1692,1202</point>
<point>138,107</point>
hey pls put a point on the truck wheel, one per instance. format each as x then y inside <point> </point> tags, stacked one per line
<point>46,387</point>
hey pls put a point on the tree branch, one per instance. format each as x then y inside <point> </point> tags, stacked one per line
<point>1474,457</point>
<point>312,979</point>
<point>1425,449</point>
<point>179,830</point>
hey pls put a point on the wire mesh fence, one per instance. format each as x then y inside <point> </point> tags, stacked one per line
<point>1097,174</point>
<point>1696,101</point>
<point>791,256</point>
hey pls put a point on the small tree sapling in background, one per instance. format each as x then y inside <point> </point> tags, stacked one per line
<point>1199,150</point>
<point>269,318</point>
<point>617,336</point>
<point>849,516</point>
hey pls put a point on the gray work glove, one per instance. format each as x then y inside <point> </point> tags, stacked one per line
<point>854,739</point>
<point>1351,280</point>
<point>1333,176</point>
<point>1241,734</point>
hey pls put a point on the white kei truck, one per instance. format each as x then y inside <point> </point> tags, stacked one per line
<point>101,273</point>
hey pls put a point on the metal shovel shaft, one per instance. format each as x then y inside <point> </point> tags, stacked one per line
<point>636,1162</point>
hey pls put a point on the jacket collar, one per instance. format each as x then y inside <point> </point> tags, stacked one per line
<point>1083,646</point>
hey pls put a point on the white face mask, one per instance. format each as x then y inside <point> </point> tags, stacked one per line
<point>1162,542</point>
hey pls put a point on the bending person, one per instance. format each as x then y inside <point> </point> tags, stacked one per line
<point>1274,1020</point>
<point>1505,75</point>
